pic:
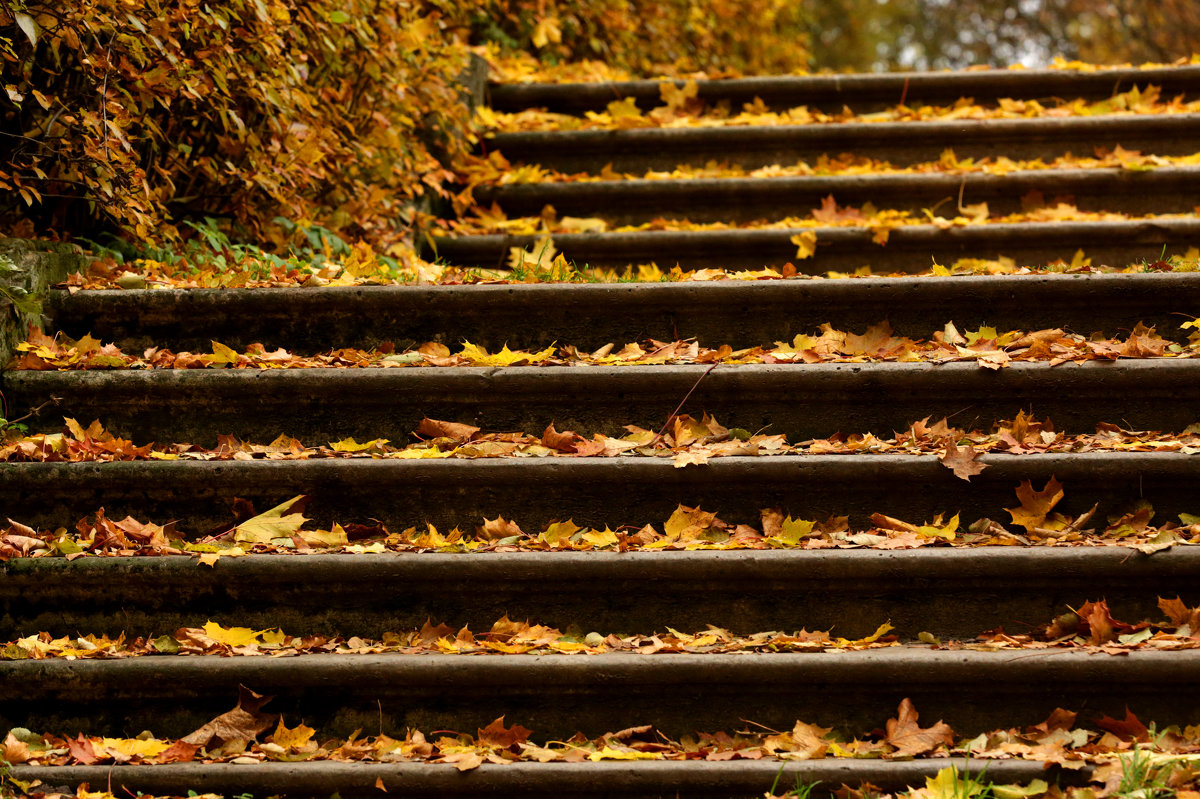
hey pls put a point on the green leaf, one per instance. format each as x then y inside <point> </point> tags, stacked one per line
<point>166,644</point>
<point>339,17</point>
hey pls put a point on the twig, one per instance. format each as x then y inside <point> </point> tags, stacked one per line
<point>658,436</point>
<point>34,412</point>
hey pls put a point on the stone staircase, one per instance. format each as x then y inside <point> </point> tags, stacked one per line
<point>951,593</point>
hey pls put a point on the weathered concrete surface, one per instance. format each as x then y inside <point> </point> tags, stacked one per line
<point>637,780</point>
<point>859,92</point>
<point>534,491</point>
<point>631,202</point>
<point>901,143</point>
<point>557,695</point>
<point>909,249</point>
<point>30,269</point>
<point>738,313</point>
<point>954,593</point>
<point>801,400</point>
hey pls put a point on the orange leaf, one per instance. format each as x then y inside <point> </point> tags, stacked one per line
<point>910,739</point>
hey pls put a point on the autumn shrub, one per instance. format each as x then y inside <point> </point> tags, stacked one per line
<point>136,117</point>
<point>139,115</point>
<point>644,37</point>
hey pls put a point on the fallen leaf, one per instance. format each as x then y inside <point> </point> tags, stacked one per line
<point>1035,505</point>
<point>962,461</point>
<point>910,739</point>
<point>238,726</point>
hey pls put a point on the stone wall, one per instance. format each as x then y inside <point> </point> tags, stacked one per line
<point>27,271</point>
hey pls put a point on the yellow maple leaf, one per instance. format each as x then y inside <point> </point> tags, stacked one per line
<point>231,636</point>
<point>1035,505</point>
<point>325,538</point>
<point>938,530</point>
<point>676,97</point>
<point>134,747</point>
<point>222,355</point>
<point>608,753</point>
<point>295,738</point>
<point>806,243</point>
<point>350,445</point>
<point>597,538</point>
<point>626,108</point>
<point>559,534</point>
<point>547,30</point>
<point>794,530</point>
<point>505,357</point>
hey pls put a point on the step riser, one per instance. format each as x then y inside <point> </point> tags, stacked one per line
<point>803,401</point>
<point>900,143</point>
<point>908,250</point>
<point>634,780</point>
<point>741,314</point>
<point>859,92</point>
<point>535,491</point>
<point>953,594</point>
<point>971,691</point>
<point>744,200</point>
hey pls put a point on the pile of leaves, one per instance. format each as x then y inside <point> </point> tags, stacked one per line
<point>282,529</point>
<point>987,347</point>
<point>234,737</point>
<point>1091,628</point>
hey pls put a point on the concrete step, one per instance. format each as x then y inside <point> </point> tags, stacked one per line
<point>632,202</point>
<point>860,92</point>
<point>953,593</point>
<point>629,780</point>
<point>901,143</point>
<point>803,401</point>
<point>738,313</point>
<point>909,249</point>
<point>536,491</point>
<point>559,695</point>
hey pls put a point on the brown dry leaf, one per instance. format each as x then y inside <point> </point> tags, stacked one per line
<point>1130,728</point>
<point>238,726</point>
<point>804,742</point>
<point>496,734</point>
<point>910,739</point>
<point>432,428</point>
<point>962,461</point>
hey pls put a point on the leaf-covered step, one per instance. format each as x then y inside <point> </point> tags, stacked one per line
<point>799,400</point>
<point>625,202</point>
<point>929,578</point>
<point>909,248</point>
<point>734,312</point>
<point>640,149</point>
<point>627,779</point>
<point>859,92</point>
<point>972,691</point>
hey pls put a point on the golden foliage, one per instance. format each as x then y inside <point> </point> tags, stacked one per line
<point>141,116</point>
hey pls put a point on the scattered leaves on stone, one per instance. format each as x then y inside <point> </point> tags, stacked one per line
<point>1058,740</point>
<point>988,347</point>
